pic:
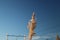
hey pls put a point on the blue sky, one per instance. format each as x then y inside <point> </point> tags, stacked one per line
<point>15,14</point>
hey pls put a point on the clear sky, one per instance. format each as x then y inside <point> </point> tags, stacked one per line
<point>15,14</point>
